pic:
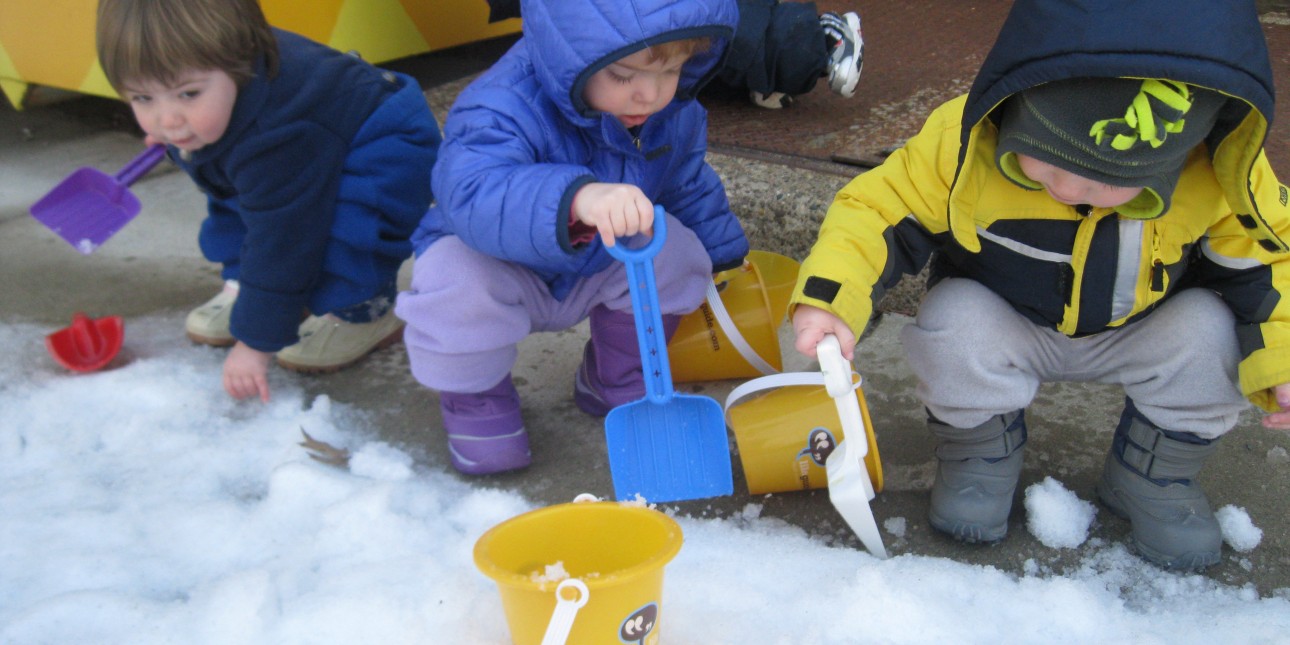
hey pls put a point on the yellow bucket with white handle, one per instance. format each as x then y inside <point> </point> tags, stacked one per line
<point>735,332</point>
<point>583,572</point>
<point>786,428</point>
<point>808,430</point>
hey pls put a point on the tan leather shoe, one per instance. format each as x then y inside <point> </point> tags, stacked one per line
<point>208,324</point>
<point>328,344</point>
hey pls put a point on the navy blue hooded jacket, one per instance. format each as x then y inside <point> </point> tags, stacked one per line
<point>315,187</point>
<point>520,140</point>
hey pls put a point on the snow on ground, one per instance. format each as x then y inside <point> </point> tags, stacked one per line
<point>141,505</point>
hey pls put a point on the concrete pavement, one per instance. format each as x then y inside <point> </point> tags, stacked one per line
<point>153,268</point>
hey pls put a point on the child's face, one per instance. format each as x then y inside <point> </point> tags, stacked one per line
<point>634,87</point>
<point>189,114</point>
<point>1070,188</point>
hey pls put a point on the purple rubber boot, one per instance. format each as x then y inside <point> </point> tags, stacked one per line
<point>610,374</point>
<point>485,432</point>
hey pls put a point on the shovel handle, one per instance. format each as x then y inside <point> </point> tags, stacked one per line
<point>649,321</point>
<point>644,255</point>
<point>140,165</point>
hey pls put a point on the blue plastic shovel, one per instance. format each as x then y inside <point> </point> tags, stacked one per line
<point>89,206</point>
<point>667,446</point>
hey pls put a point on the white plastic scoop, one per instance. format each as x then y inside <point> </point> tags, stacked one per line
<point>849,487</point>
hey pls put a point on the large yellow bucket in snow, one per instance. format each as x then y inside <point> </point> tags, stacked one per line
<point>584,572</point>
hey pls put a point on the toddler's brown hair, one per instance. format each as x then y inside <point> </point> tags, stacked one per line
<point>160,39</point>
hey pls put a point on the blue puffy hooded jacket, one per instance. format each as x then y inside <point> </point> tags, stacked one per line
<point>520,140</point>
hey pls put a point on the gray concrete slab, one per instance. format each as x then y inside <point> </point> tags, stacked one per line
<point>153,268</point>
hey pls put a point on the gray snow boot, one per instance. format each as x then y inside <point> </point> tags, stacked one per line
<point>976,476</point>
<point>1149,478</point>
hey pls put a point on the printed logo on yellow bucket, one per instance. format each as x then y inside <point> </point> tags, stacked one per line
<point>639,625</point>
<point>819,445</point>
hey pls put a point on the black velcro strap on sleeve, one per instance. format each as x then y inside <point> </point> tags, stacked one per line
<point>821,289</point>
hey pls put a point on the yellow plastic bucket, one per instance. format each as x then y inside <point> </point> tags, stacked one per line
<point>613,553</point>
<point>779,276</point>
<point>735,332</point>
<point>786,433</point>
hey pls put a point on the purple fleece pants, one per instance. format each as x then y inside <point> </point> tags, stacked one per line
<point>467,312</point>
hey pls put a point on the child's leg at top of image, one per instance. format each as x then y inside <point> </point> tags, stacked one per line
<point>781,49</point>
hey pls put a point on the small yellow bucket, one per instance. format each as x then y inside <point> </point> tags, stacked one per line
<point>613,555</point>
<point>786,433</point>
<point>735,332</point>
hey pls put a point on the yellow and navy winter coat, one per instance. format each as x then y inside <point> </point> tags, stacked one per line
<point>1077,269</point>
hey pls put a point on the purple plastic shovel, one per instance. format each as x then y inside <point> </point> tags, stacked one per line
<point>90,206</point>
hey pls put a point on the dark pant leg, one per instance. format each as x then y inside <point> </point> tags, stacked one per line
<point>778,47</point>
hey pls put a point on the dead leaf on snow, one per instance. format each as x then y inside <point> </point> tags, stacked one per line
<point>324,452</point>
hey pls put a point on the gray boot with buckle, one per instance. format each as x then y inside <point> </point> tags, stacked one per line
<point>976,476</point>
<point>1150,478</point>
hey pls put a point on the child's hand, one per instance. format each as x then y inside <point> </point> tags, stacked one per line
<point>1280,420</point>
<point>615,210</point>
<point>245,372</point>
<point>811,324</point>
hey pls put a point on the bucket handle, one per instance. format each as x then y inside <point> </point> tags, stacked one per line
<point>728,326</point>
<point>780,380</point>
<point>566,610</point>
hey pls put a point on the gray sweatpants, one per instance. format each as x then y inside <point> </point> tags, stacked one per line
<point>975,357</point>
<point>467,312</point>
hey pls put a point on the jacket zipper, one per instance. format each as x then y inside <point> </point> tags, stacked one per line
<point>1157,265</point>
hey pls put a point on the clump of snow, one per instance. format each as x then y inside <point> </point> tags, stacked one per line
<point>1057,517</point>
<point>1278,455</point>
<point>895,526</point>
<point>380,460</point>
<point>550,573</point>
<point>1239,530</point>
<point>751,512</point>
<point>637,500</point>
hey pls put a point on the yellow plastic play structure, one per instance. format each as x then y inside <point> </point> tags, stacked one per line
<point>51,42</point>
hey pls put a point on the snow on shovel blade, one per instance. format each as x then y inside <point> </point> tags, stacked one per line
<point>89,206</point>
<point>849,486</point>
<point>668,446</point>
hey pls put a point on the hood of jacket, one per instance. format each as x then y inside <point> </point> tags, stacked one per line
<point>1214,45</point>
<point>569,40</point>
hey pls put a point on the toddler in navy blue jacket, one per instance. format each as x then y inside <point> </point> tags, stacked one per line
<point>316,166</point>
